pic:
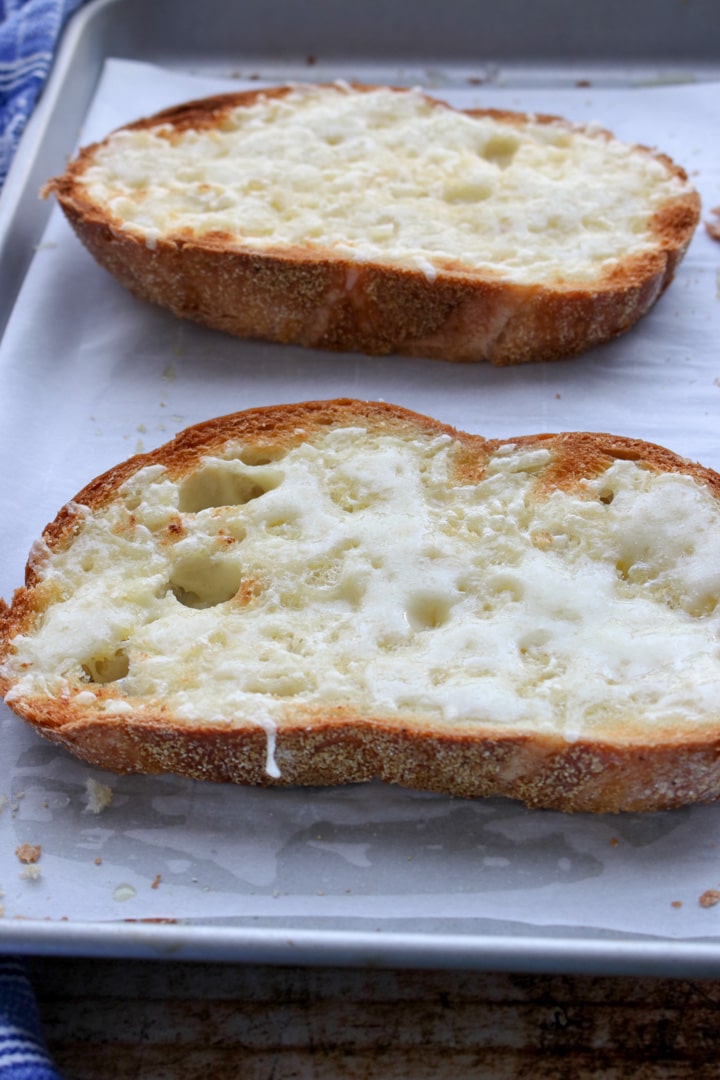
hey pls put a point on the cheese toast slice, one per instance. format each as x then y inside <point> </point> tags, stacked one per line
<point>378,220</point>
<point>332,592</point>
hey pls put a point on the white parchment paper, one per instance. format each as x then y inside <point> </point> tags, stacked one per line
<point>90,375</point>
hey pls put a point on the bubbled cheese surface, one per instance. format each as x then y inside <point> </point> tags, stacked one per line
<point>390,177</point>
<point>354,569</point>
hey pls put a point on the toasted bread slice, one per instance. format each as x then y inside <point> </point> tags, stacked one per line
<point>382,221</point>
<point>339,591</point>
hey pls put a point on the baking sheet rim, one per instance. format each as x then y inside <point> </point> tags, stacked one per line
<point>330,947</point>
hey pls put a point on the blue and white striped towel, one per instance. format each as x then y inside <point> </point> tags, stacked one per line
<point>23,1055</point>
<point>29,33</point>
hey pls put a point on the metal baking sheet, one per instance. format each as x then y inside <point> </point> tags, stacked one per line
<point>369,874</point>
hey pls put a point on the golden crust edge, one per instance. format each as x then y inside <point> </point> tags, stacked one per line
<point>543,772</point>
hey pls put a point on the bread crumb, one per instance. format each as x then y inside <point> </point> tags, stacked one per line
<point>614,841</point>
<point>713,227</point>
<point>124,892</point>
<point>156,881</point>
<point>98,796</point>
<point>28,853</point>
<point>31,873</point>
<point>98,861</point>
<point>709,898</point>
<point>676,903</point>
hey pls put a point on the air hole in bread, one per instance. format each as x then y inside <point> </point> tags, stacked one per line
<point>323,573</point>
<point>278,686</point>
<point>701,606</point>
<point>284,525</point>
<point>500,150</point>
<point>389,642</point>
<point>352,590</point>
<point>261,455</point>
<point>428,611</point>
<point>292,600</point>
<point>623,567</point>
<point>107,668</point>
<point>468,191</point>
<point>542,539</point>
<point>531,645</point>
<point>623,453</point>
<point>203,581</point>
<point>351,498</point>
<point>503,585</point>
<point>232,531</point>
<point>593,223</point>
<point>222,483</point>
<point>635,571</point>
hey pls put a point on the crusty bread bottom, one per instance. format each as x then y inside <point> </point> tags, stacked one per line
<point>339,591</point>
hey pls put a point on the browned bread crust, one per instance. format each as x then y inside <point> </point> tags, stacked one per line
<point>632,766</point>
<point>318,297</point>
